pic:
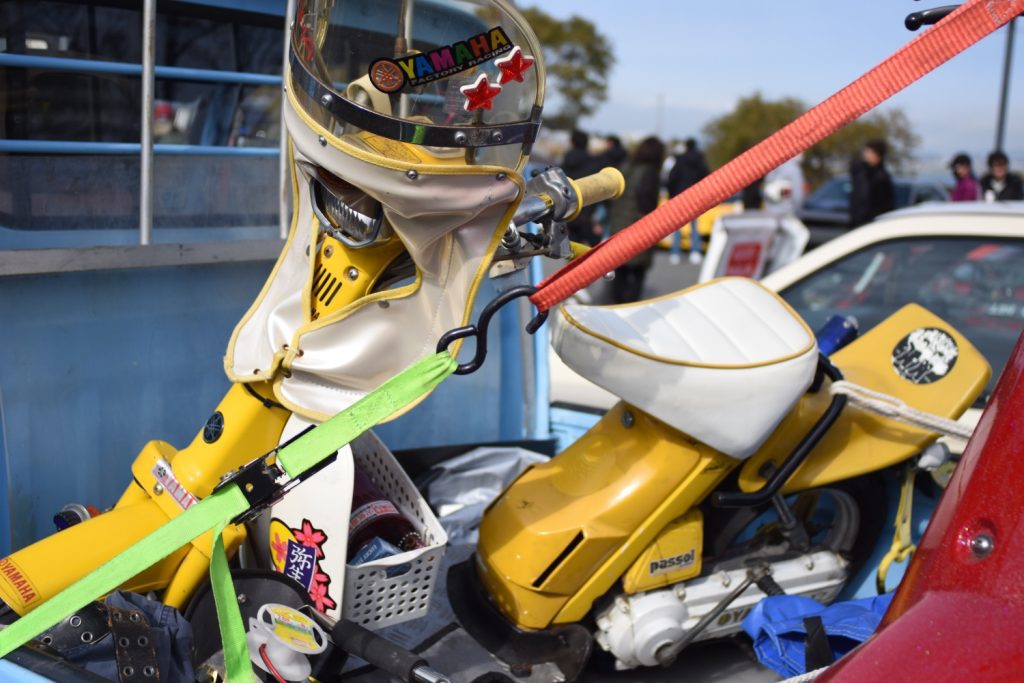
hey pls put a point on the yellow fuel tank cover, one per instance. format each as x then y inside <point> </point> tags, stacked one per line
<point>861,442</point>
<point>674,556</point>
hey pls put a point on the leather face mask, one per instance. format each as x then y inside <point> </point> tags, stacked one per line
<point>382,259</point>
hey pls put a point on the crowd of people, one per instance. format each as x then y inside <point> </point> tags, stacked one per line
<point>647,175</point>
<point>587,227</point>
<point>998,184</point>
<point>872,192</point>
<point>650,173</point>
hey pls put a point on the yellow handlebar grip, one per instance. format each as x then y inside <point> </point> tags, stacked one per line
<point>578,249</point>
<point>607,183</point>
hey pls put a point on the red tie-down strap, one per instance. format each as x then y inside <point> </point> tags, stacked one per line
<point>970,23</point>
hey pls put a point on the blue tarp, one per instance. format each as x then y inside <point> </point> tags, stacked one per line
<point>777,626</point>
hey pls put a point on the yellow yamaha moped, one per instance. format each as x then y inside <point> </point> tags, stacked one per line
<point>732,469</point>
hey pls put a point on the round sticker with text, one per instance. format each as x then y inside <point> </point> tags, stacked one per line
<point>925,355</point>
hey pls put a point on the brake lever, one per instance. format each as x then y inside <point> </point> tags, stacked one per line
<point>551,199</point>
<point>517,248</point>
<point>549,194</point>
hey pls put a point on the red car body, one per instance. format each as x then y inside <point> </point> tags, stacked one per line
<point>958,614</point>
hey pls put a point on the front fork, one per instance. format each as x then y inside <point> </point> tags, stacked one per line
<point>246,424</point>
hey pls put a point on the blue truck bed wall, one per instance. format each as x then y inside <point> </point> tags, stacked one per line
<point>95,364</point>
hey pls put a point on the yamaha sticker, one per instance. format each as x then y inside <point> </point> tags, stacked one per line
<point>391,75</point>
<point>17,583</point>
<point>925,355</point>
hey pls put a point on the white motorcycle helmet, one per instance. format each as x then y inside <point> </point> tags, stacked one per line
<point>410,123</point>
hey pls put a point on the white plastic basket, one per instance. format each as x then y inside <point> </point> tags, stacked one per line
<point>372,598</point>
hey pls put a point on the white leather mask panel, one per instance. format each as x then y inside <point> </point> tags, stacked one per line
<point>449,223</point>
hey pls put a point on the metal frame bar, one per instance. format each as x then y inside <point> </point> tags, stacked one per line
<point>283,167</point>
<point>29,262</point>
<point>540,419</point>
<point>1004,90</point>
<point>133,148</point>
<point>146,146</point>
<point>126,69</point>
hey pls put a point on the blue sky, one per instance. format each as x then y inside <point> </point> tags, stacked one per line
<point>700,57</point>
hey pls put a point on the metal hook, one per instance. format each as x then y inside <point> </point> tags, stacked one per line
<point>479,330</point>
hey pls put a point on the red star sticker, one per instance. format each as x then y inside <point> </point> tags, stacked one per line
<point>480,93</point>
<point>513,65</point>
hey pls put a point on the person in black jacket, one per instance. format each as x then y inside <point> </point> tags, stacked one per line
<point>999,184</point>
<point>578,163</point>
<point>643,185</point>
<point>614,154</point>
<point>689,169</point>
<point>872,193</point>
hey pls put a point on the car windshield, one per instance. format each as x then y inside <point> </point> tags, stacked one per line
<point>975,284</point>
<point>834,195</point>
<point>901,194</point>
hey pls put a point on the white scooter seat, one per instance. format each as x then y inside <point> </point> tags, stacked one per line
<point>722,361</point>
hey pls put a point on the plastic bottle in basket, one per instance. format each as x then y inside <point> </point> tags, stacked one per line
<point>373,515</point>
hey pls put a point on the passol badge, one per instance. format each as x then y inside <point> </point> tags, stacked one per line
<point>925,355</point>
<point>671,564</point>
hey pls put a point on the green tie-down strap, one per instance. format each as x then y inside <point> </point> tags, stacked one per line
<point>217,510</point>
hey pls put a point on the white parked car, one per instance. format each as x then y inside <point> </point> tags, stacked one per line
<point>964,262</point>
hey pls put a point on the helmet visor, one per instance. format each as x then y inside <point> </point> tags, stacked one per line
<point>460,79</point>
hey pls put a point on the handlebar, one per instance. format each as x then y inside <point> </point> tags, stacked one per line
<point>608,183</point>
<point>553,193</point>
<point>552,198</point>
